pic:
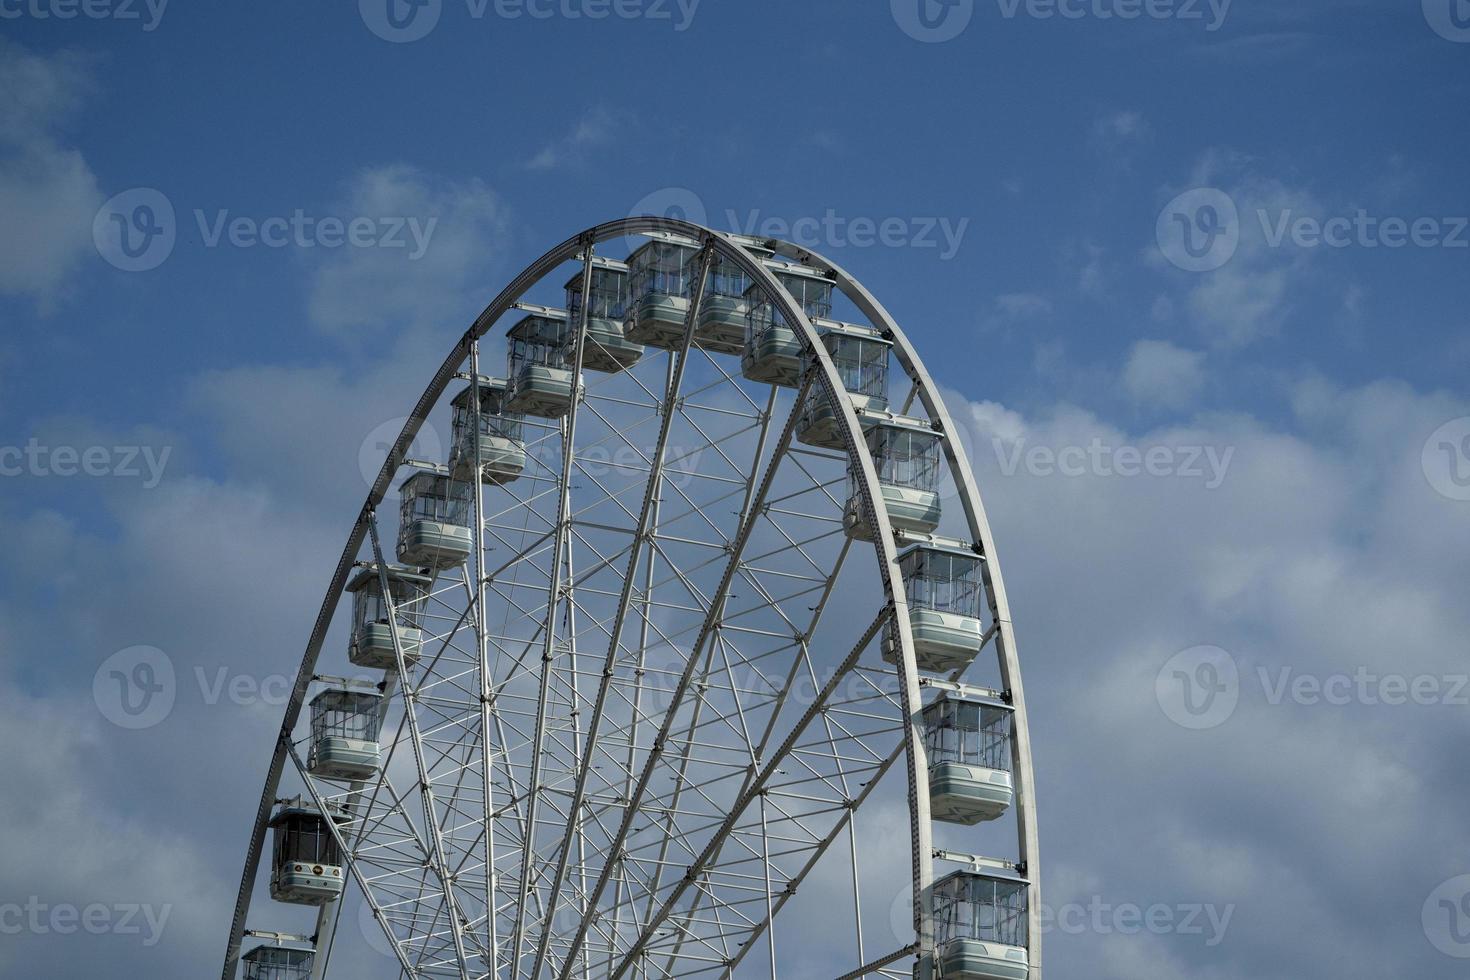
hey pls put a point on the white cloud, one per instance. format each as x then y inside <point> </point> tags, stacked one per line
<point>1324,551</point>
<point>463,230</point>
<point>1118,135</point>
<point>48,193</point>
<point>1022,304</point>
<point>596,128</point>
<point>1159,373</point>
<point>1251,296</point>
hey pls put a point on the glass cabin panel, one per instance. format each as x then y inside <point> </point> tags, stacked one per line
<point>906,457</point>
<point>493,419</point>
<point>607,297</point>
<point>539,341</point>
<point>943,581</point>
<point>977,907</point>
<point>305,838</point>
<point>814,296</point>
<point>726,279</point>
<point>968,732</point>
<point>408,600</point>
<point>432,497</point>
<point>658,269</point>
<point>345,714</point>
<point>277,963</point>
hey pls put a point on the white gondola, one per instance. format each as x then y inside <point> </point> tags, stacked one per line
<point>306,867</point>
<point>773,354</point>
<point>968,741</point>
<point>371,645</point>
<point>434,521</point>
<point>607,348</point>
<point>980,929</point>
<point>906,454</point>
<point>344,734</point>
<point>944,592</point>
<point>277,963</point>
<point>658,301</point>
<point>502,446</point>
<point>861,358</point>
<point>540,358</point>
<point>720,326</point>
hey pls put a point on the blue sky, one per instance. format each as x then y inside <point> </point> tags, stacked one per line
<point>1057,153</point>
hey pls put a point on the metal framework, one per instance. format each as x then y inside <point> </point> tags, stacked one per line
<point>652,700</point>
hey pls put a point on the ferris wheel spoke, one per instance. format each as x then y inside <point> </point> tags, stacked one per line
<point>553,603</point>
<point>736,554</point>
<point>651,493</point>
<point>426,792</point>
<point>757,789</point>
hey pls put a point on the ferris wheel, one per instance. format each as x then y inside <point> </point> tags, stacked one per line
<point>609,683</point>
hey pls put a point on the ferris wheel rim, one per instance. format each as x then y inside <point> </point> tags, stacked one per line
<point>857,451</point>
